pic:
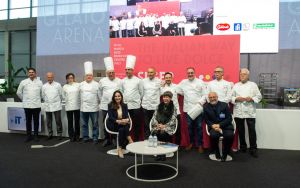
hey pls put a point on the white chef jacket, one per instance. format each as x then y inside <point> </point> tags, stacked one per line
<point>52,95</point>
<point>245,109</point>
<point>146,21</point>
<point>132,92</point>
<point>151,21</point>
<point>115,25</point>
<point>222,88</point>
<point>181,21</point>
<point>151,91</point>
<point>130,25</point>
<point>123,24</point>
<point>193,91</point>
<point>71,95</point>
<point>107,88</point>
<point>173,89</point>
<point>30,92</point>
<point>137,22</point>
<point>165,22</point>
<point>89,96</point>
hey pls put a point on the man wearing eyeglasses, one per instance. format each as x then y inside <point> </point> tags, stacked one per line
<point>220,86</point>
<point>194,92</point>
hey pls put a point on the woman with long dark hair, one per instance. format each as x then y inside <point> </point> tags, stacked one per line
<point>118,121</point>
<point>163,122</point>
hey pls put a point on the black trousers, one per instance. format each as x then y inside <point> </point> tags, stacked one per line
<point>124,33</point>
<point>147,118</point>
<point>57,115</point>
<point>240,124</point>
<point>73,126</point>
<point>116,34</point>
<point>135,115</point>
<point>130,33</point>
<point>227,140</point>
<point>178,131</point>
<point>181,31</point>
<point>123,131</point>
<point>162,136</point>
<point>32,113</point>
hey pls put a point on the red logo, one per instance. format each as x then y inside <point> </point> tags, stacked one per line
<point>223,26</point>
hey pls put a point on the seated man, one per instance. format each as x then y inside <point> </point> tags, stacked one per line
<point>163,122</point>
<point>219,122</point>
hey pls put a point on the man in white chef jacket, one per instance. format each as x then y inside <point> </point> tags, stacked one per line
<point>115,27</point>
<point>151,97</point>
<point>30,92</point>
<point>130,26</point>
<point>194,92</point>
<point>123,23</point>
<point>220,86</point>
<point>52,96</point>
<point>133,92</point>
<point>108,86</point>
<point>90,100</point>
<point>245,96</point>
<point>181,24</point>
<point>169,86</point>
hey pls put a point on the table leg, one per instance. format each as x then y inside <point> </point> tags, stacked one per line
<point>135,165</point>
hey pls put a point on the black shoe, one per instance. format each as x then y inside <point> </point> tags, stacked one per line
<point>243,150</point>
<point>163,158</point>
<point>95,141</point>
<point>223,158</point>
<point>85,140</point>
<point>50,137</point>
<point>72,139</point>
<point>106,142</point>
<point>158,158</point>
<point>28,139</point>
<point>60,137</point>
<point>253,153</point>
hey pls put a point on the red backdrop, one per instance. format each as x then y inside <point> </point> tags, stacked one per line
<point>175,54</point>
<point>159,7</point>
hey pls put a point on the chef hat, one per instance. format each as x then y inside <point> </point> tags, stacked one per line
<point>130,61</point>
<point>109,63</point>
<point>88,67</point>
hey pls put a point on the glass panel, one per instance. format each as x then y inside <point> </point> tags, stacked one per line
<point>68,9</point>
<point>34,12</point>
<point>67,1</point>
<point>19,13</point>
<point>19,3</point>
<point>46,11</point>
<point>1,43</point>
<point>20,42</point>
<point>3,4</point>
<point>33,42</point>
<point>3,15</point>
<point>94,7</point>
<point>20,61</point>
<point>2,66</point>
<point>43,2</point>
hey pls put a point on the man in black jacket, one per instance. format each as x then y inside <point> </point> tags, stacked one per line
<point>219,122</point>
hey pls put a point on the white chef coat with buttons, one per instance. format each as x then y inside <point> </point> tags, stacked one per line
<point>222,88</point>
<point>132,92</point>
<point>130,24</point>
<point>30,92</point>
<point>173,89</point>
<point>89,96</point>
<point>52,95</point>
<point>245,109</point>
<point>151,91</point>
<point>181,21</point>
<point>107,88</point>
<point>71,95</point>
<point>193,91</point>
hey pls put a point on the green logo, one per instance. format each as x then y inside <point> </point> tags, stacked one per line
<point>264,26</point>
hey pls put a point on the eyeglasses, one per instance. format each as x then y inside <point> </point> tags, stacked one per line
<point>218,71</point>
<point>190,73</point>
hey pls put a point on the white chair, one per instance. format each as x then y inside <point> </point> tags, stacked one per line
<point>213,156</point>
<point>169,155</point>
<point>115,151</point>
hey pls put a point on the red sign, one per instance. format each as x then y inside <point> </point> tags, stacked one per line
<point>160,7</point>
<point>175,54</point>
<point>223,26</point>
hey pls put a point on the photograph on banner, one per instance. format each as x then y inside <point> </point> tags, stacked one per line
<point>138,18</point>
